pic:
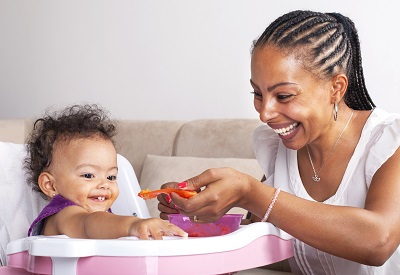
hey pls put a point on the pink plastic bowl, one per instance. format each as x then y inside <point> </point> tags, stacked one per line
<point>226,224</point>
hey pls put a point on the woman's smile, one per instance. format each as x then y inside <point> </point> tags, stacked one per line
<point>287,130</point>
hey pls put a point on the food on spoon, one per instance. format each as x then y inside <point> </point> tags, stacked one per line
<point>147,194</point>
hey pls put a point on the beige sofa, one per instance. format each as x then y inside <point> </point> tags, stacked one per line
<point>162,151</point>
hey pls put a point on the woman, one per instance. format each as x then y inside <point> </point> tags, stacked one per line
<point>329,156</point>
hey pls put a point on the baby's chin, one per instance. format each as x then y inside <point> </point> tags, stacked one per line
<point>97,208</point>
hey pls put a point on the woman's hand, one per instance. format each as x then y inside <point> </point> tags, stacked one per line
<point>165,204</point>
<point>221,189</point>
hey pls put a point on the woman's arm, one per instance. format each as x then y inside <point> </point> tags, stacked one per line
<point>368,236</point>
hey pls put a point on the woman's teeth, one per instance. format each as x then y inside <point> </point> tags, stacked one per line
<point>287,130</point>
<point>101,198</point>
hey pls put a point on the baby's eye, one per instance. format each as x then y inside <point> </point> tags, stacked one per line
<point>112,178</point>
<point>88,175</point>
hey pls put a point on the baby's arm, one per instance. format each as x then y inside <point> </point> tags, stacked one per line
<point>76,222</point>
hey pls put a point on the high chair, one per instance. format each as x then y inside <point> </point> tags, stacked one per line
<point>61,255</point>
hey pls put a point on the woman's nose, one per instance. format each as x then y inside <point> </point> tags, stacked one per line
<point>267,110</point>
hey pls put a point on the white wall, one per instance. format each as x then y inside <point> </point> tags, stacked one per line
<point>159,59</point>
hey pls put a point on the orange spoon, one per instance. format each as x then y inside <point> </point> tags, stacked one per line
<point>147,194</point>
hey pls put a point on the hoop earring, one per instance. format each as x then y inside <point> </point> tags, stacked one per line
<point>335,111</point>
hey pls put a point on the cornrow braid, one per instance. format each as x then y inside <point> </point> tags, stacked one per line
<point>328,43</point>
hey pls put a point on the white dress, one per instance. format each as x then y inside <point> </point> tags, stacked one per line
<point>379,140</point>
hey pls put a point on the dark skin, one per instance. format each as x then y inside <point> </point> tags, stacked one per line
<point>287,94</point>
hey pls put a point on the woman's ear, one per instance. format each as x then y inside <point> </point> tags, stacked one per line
<point>339,87</point>
<point>46,184</point>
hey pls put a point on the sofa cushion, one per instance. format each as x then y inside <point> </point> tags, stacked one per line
<point>158,170</point>
<point>138,138</point>
<point>217,138</point>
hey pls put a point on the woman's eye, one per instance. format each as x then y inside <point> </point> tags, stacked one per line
<point>88,176</point>
<point>256,94</point>
<point>112,178</point>
<point>284,96</point>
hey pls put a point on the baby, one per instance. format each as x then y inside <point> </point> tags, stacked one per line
<point>72,160</point>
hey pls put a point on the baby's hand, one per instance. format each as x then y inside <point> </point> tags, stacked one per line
<point>154,227</point>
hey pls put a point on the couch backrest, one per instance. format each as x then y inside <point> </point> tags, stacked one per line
<point>14,130</point>
<point>138,138</point>
<point>211,138</point>
<point>216,138</point>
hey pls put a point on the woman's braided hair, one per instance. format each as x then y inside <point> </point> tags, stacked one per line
<point>328,44</point>
<point>77,121</point>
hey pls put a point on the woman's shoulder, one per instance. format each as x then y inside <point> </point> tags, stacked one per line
<point>381,139</point>
<point>381,117</point>
<point>382,124</point>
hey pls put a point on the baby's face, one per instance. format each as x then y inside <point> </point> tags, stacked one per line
<point>85,172</point>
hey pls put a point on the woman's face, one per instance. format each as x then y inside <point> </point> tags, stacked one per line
<point>85,172</point>
<point>289,98</point>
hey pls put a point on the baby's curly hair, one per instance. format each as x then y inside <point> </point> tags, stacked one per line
<point>76,121</point>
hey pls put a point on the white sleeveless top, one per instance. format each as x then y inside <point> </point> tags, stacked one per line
<point>379,140</point>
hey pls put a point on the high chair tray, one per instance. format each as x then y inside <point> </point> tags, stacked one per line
<point>61,255</point>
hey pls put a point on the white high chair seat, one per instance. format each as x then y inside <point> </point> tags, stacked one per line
<point>128,202</point>
<point>20,205</point>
